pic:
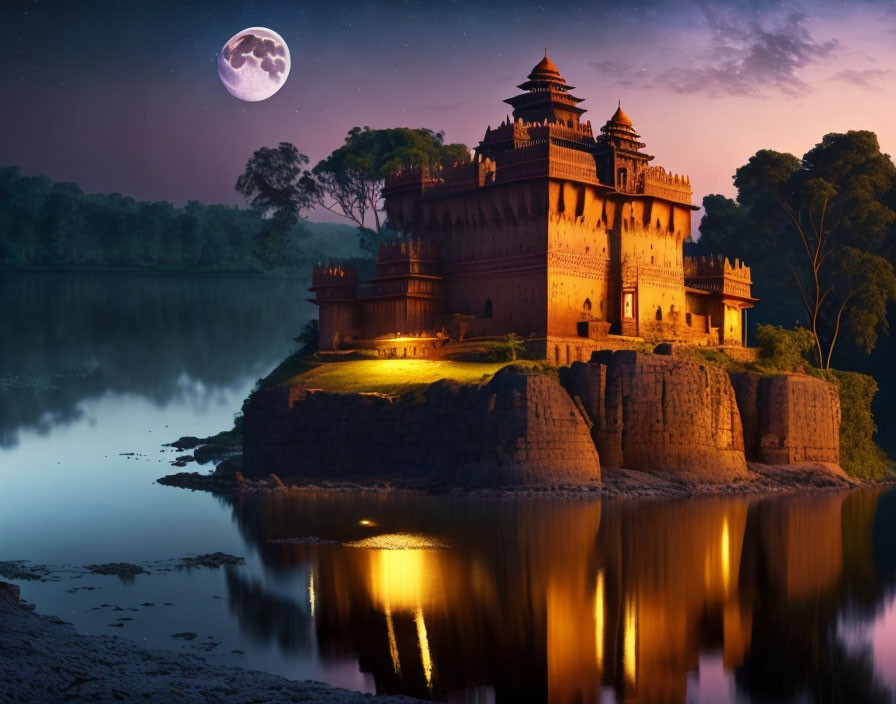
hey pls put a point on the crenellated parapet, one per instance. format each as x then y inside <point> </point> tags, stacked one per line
<point>333,275</point>
<point>334,284</point>
<point>718,275</point>
<point>440,179</point>
<point>674,187</point>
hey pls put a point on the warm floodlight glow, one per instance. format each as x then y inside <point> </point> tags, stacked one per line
<point>599,620</point>
<point>726,555</point>
<point>312,596</point>
<point>365,522</point>
<point>630,642</point>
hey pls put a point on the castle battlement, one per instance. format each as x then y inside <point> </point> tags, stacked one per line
<point>716,267</point>
<point>328,275</point>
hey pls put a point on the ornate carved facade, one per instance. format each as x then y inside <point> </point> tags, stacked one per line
<point>572,241</point>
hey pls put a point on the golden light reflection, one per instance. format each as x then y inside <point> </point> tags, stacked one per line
<point>393,644</point>
<point>630,642</point>
<point>726,556</point>
<point>599,620</point>
<point>425,656</point>
<point>312,596</point>
<point>400,580</point>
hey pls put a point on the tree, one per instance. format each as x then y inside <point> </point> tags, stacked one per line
<point>350,180</point>
<point>278,187</point>
<point>825,218</point>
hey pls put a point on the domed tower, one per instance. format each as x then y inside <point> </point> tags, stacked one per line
<point>620,161</point>
<point>547,97</point>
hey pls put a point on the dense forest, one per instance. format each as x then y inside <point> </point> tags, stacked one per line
<point>47,224</point>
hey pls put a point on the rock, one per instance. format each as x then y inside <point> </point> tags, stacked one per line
<point>789,418</point>
<point>125,570</point>
<point>230,467</point>
<point>187,442</point>
<point>213,451</point>
<point>185,458</point>
<point>661,413</point>
<point>10,592</point>
<point>275,480</point>
<point>187,635</point>
<point>212,560</point>
<point>519,429</point>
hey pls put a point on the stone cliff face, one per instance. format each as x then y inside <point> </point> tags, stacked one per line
<point>654,412</point>
<point>788,418</point>
<point>519,429</point>
<point>635,411</point>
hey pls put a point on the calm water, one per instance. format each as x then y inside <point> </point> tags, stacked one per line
<point>565,601</point>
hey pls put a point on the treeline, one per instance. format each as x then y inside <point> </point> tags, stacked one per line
<point>819,232</point>
<point>47,224</point>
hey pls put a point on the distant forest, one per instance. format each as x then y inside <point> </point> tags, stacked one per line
<point>55,225</point>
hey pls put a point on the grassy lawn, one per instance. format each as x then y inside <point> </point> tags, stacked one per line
<point>393,376</point>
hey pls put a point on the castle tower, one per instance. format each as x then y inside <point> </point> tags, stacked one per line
<point>335,294</point>
<point>620,161</point>
<point>546,97</point>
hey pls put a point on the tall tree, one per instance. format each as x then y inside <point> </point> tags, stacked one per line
<point>349,182</point>
<point>277,185</point>
<point>826,218</point>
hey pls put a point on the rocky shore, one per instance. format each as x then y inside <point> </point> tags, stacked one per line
<point>43,658</point>
<point>615,483</point>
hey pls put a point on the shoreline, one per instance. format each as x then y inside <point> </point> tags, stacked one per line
<point>620,484</point>
<point>43,658</point>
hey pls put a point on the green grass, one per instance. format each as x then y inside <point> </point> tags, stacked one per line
<point>394,376</point>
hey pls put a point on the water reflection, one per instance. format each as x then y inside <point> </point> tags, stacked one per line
<point>72,336</point>
<point>569,601</point>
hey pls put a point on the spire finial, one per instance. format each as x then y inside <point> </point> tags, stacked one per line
<point>545,52</point>
<point>619,103</point>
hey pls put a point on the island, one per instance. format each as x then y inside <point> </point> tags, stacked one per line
<point>564,249</point>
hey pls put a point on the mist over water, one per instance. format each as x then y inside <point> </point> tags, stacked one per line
<point>498,600</point>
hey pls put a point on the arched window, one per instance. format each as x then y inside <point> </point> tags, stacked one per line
<point>488,310</point>
<point>659,313</point>
<point>621,177</point>
<point>586,306</point>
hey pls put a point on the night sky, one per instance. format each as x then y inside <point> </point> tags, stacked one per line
<point>125,96</point>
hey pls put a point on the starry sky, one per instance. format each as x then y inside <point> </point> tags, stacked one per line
<point>124,96</point>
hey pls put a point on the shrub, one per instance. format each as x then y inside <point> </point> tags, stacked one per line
<point>510,349</point>
<point>309,338</point>
<point>859,454</point>
<point>781,349</point>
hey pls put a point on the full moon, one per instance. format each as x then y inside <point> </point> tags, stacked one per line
<point>254,64</point>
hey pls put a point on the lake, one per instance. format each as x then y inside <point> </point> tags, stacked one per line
<point>453,599</point>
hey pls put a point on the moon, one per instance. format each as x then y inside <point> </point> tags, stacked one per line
<point>254,64</point>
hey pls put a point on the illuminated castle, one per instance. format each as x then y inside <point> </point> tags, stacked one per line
<point>572,241</point>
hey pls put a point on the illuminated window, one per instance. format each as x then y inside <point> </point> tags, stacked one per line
<point>628,305</point>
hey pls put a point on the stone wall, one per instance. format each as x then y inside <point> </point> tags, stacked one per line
<point>519,429</point>
<point>653,412</point>
<point>788,418</point>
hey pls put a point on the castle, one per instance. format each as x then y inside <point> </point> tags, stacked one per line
<point>572,241</point>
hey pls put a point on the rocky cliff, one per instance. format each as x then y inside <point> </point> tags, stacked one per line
<point>654,412</point>
<point>633,411</point>
<point>788,418</point>
<point>519,429</point>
